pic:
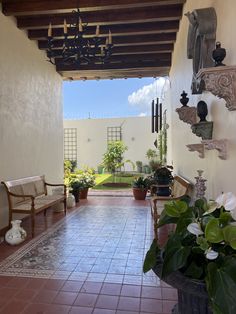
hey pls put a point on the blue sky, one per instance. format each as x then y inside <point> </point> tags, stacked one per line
<point>109,98</point>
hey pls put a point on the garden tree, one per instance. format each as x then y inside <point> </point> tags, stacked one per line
<point>113,159</point>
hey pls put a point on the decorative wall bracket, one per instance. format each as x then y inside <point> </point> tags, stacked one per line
<point>221,82</point>
<point>187,114</point>
<point>220,145</point>
<point>203,129</point>
<point>197,148</point>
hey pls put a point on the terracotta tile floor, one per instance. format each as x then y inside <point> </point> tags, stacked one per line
<point>114,285</point>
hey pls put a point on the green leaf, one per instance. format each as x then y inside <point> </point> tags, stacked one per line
<point>175,255</point>
<point>175,208</point>
<point>202,242</point>
<point>151,257</point>
<point>185,219</point>
<point>165,219</point>
<point>229,233</point>
<point>194,271</point>
<point>225,218</point>
<point>213,232</point>
<point>221,286</point>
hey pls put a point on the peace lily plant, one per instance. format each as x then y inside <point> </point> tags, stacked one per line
<point>202,247</point>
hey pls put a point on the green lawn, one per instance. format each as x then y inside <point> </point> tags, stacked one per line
<point>107,178</point>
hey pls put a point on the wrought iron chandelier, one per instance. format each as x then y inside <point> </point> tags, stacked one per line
<point>78,49</point>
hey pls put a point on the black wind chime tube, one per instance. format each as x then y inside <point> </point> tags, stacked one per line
<point>160,116</point>
<point>156,116</point>
<point>153,118</point>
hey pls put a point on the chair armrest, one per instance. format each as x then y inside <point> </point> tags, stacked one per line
<point>50,184</point>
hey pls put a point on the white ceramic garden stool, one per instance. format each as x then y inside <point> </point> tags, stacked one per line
<point>58,207</point>
<point>70,201</point>
<point>16,234</point>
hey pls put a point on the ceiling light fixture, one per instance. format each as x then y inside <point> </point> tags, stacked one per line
<point>78,49</point>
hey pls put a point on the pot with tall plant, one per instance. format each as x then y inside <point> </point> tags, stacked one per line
<point>140,188</point>
<point>163,178</point>
<point>199,257</point>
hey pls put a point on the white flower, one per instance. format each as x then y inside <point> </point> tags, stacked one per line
<point>195,228</point>
<point>228,200</point>
<point>211,254</point>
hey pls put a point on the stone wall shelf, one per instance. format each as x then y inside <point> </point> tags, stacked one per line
<point>197,148</point>
<point>187,114</point>
<point>221,82</point>
<point>220,145</point>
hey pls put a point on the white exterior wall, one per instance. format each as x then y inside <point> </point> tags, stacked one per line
<point>31,122</point>
<point>92,138</point>
<point>221,174</point>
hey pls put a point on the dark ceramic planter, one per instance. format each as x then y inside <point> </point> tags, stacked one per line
<point>192,294</point>
<point>139,194</point>
<point>76,194</point>
<point>163,190</point>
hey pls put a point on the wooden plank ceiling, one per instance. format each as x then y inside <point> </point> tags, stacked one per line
<point>143,32</point>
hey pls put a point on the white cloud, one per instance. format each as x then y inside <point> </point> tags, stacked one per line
<point>142,114</point>
<point>142,98</point>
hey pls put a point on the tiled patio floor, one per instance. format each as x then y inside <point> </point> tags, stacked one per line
<point>107,278</point>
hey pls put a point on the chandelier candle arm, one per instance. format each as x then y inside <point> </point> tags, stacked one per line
<point>97,31</point>
<point>50,30</point>
<point>80,25</point>
<point>109,38</point>
<point>65,27</point>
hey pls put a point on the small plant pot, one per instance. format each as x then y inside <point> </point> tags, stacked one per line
<point>139,194</point>
<point>83,194</point>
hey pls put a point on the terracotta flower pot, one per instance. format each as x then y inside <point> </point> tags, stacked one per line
<point>139,194</point>
<point>83,194</point>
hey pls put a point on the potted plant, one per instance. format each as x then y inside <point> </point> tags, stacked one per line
<point>140,188</point>
<point>74,187</point>
<point>199,257</point>
<point>163,177</point>
<point>139,165</point>
<point>86,180</point>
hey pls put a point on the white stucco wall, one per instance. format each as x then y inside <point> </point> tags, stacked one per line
<point>31,123</point>
<point>219,173</point>
<point>92,138</point>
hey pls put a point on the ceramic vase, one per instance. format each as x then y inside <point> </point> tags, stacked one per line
<point>70,200</point>
<point>16,234</point>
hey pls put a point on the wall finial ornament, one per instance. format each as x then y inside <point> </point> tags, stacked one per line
<point>186,114</point>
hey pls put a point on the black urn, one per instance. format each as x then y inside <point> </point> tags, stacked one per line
<point>184,99</point>
<point>202,110</point>
<point>218,54</point>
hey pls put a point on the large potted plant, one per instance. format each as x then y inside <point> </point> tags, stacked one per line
<point>163,178</point>
<point>86,180</point>
<point>199,257</point>
<point>140,188</point>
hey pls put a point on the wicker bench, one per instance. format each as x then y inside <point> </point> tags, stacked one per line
<point>179,188</point>
<point>29,196</point>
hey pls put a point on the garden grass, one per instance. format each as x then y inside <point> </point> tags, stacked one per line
<point>109,178</point>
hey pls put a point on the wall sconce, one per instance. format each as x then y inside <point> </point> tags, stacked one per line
<point>156,116</point>
<point>203,128</point>
<point>132,139</point>
<point>186,114</point>
<point>88,140</point>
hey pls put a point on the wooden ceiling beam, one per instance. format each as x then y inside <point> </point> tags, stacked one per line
<point>115,73</point>
<point>113,66</point>
<point>122,16</point>
<point>142,49</point>
<point>125,41</point>
<point>123,59</point>
<point>116,30</point>
<point>23,7</point>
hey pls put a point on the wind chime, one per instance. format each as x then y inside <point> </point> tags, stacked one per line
<point>156,117</point>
